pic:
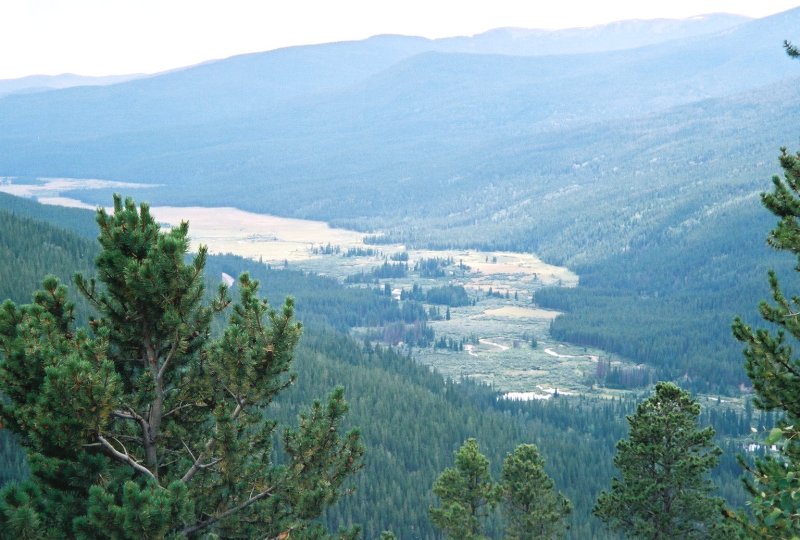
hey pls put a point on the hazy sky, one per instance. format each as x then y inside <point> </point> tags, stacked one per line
<point>102,37</point>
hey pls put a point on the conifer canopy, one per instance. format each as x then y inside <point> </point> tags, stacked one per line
<point>144,426</point>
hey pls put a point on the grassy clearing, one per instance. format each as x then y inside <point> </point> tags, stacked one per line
<point>498,351</point>
<point>275,239</point>
<point>256,236</point>
<point>497,331</point>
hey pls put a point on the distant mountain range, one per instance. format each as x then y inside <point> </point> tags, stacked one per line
<point>380,131</point>
<point>513,41</point>
<point>43,83</point>
<point>608,37</point>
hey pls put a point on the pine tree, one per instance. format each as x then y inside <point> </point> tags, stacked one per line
<point>467,494</point>
<point>142,426</point>
<point>775,373</point>
<point>531,505</point>
<point>664,490</point>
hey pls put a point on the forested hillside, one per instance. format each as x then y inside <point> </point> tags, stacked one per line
<point>77,220</point>
<point>411,419</point>
<point>31,249</point>
<point>671,303</point>
<point>612,159</point>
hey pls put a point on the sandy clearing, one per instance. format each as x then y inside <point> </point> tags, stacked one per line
<point>544,393</point>
<point>517,312</point>
<point>592,357</point>
<point>551,352</point>
<point>525,396</point>
<point>554,390</point>
<point>493,344</point>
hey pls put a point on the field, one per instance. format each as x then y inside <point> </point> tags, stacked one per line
<point>502,337</point>
<point>256,236</point>
<point>499,350</point>
<point>495,334</point>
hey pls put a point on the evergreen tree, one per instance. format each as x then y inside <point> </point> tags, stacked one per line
<point>530,503</point>
<point>467,494</point>
<point>664,491</point>
<point>142,426</point>
<point>775,373</point>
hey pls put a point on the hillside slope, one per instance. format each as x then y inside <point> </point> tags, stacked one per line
<point>374,112</point>
<point>412,419</point>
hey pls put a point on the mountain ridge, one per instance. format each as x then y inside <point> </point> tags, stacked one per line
<point>510,41</point>
<point>424,130</point>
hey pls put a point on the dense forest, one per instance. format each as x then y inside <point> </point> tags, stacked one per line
<point>411,418</point>
<point>670,304</point>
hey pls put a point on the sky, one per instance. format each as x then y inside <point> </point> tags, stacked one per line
<point>112,37</point>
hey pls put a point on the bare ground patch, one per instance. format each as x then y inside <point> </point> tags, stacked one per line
<point>525,372</point>
<point>517,312</point>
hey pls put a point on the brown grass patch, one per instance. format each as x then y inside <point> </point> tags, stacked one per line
<point>229,230</point>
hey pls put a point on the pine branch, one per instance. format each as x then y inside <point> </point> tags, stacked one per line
<point>194,459</point>
<point>200,525</point>
<point>178,408</point>
<point>198,463</point>
<point>125,457</point>
<point>170,355</point>
<point>132,415</point>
